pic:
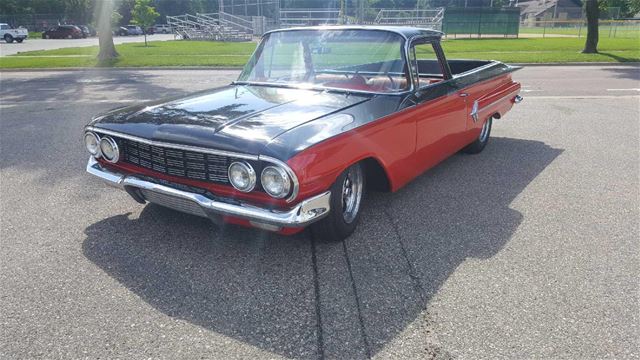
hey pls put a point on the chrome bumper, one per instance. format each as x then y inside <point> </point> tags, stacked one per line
<point>304,213</point>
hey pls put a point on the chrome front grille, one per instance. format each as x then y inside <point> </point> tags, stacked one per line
<point>179,163</point>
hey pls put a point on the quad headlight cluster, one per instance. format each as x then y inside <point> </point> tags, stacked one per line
<point>275,180</point>
<point>104,147</point>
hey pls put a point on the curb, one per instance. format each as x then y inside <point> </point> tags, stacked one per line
<point>156,68</point>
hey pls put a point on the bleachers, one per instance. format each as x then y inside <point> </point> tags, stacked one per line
<point>214,26</point>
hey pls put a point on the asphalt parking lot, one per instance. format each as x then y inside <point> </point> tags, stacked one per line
<point>527,250</point>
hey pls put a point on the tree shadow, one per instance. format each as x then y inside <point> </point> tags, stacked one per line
<point>57,106</point>
<point>626,71</point>
<point>274,292</point>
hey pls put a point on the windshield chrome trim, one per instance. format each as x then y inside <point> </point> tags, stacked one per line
<point>391,29</point>
<point>404,51</point>
<point>319,88</point>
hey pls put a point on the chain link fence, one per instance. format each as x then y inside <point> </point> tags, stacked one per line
<point>578,28</point>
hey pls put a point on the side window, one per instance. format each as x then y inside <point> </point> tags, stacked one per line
<point>429,67</point>
<point>4,27</point>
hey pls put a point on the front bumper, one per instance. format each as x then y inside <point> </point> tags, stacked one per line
<point>303,214</point>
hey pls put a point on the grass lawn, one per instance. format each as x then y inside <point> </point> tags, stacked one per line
<point>605,31</point>
<point>206,53</point>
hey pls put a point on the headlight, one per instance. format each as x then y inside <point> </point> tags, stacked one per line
<point>275,181</point>
<point>242,176</point>
<point>92,142</point>
<point>109,149</point>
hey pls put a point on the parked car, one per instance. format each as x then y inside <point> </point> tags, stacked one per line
<point>317,116</point>
<point>162,29</point>
<point>62,32</point>
<point>121,31</point>
<point>10,34</point>
<point>129,30</point>
<point>87,31</point>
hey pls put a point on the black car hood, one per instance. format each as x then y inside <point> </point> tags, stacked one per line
<point>238,118</point>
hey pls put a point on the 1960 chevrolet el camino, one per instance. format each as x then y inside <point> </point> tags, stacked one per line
<point>317,115</point>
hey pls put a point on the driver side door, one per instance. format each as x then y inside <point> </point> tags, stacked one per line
<point>440,110</point>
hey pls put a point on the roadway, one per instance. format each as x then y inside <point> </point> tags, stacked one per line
<point>32,44</point>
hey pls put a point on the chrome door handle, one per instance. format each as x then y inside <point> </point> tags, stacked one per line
<point>463,94</point>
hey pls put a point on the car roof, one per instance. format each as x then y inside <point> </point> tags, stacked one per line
<point>406,32</point>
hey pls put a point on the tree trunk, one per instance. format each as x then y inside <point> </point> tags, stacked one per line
<point>104,11</point>
<point>591,45</point>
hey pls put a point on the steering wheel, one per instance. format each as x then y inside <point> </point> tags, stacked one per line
<point>357,77</point>
<point>392,83</point>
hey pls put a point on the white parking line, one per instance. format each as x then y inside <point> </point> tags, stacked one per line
<point>623,89</point>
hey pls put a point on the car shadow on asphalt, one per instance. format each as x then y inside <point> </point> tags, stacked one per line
<point>301,298</point>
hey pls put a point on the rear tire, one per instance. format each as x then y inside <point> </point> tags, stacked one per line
<point>347,195</point>
<point>481,141</point>
<point>19,40</point>
<point>8,38</point>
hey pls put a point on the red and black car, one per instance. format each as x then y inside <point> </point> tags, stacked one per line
<point>63,32</point>
<point>317,116</point>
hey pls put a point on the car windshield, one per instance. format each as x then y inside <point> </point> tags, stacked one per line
<point>352,60</point>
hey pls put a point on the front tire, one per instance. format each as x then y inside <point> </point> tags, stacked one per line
<point>347,195</point>
<point>481,141</point>
<point>8,38</point>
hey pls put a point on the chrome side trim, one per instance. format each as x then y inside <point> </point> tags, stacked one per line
<point>303,214</point>
<point>497,101</point>
<point>474,111</point>
<point>294,178</point>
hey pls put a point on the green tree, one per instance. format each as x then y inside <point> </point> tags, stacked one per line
<point>593,13</point>
<point>105,17</point>
<point>144,15</point>
<point>634,7</point>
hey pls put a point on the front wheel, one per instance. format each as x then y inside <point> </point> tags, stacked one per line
<point>8,38</point>
<point>482,139</point>
<point>347,194</point>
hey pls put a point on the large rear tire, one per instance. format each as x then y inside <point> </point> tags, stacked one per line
<point>347,195</point>
<point>481,141</point>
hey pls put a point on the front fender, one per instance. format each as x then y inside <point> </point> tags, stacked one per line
<point>390,141</point>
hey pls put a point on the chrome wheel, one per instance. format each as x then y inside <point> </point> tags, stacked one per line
<point>484,134</point>
<point>352,188</point>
